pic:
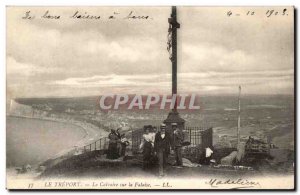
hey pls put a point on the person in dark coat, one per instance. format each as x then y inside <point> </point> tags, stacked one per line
<point>162,146</point>
<point>147,149</point>
<point>119,144</point>
<point>177,143</point>
<point>118,133</point>
<point>124,144</point>
<point>112,152</point>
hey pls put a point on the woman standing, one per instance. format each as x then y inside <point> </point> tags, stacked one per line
<point>112,152</point>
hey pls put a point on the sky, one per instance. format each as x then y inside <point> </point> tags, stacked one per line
<point>83,57</point>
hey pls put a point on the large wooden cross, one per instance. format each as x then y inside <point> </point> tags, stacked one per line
<point>173,116</point>
<point>173,28</point>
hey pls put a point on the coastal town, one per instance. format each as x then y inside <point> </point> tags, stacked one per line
<point>128,121</point>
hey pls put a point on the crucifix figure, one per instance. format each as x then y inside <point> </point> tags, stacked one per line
<point>173,25</point>
<point>173,116</point>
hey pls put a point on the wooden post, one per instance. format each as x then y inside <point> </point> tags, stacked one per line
<point>190,135</point>
<point>239,118</point>
<point>133,141</point>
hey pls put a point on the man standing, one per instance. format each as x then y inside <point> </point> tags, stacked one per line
<point>178,139</point>
<point>147,148</point>
<point>162,148</point>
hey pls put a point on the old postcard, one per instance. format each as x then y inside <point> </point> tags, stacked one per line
<point>147,98</point>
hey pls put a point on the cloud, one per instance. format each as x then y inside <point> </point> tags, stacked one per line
<point>85,49</point>
<point>205,82</point>
<point>205,57</point>
<point>115,80</point>
<point>215,53</point>
<point>143,49</point>
<point>16,68</point>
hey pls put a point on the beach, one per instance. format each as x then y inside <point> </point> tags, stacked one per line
<point>34,140</point>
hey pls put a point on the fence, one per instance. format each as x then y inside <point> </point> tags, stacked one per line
<point>197,136</point>
<point>100,144</point>
<point>137,137</point>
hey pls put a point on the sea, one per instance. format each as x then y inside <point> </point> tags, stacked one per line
<point>31,141</point>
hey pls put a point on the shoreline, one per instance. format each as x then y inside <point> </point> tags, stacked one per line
<point>92,133</point>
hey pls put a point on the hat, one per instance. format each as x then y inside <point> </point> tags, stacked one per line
<point>174,124</point>
<point>163,126</point>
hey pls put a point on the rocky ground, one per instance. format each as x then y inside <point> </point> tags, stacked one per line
<point>97,166</point>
